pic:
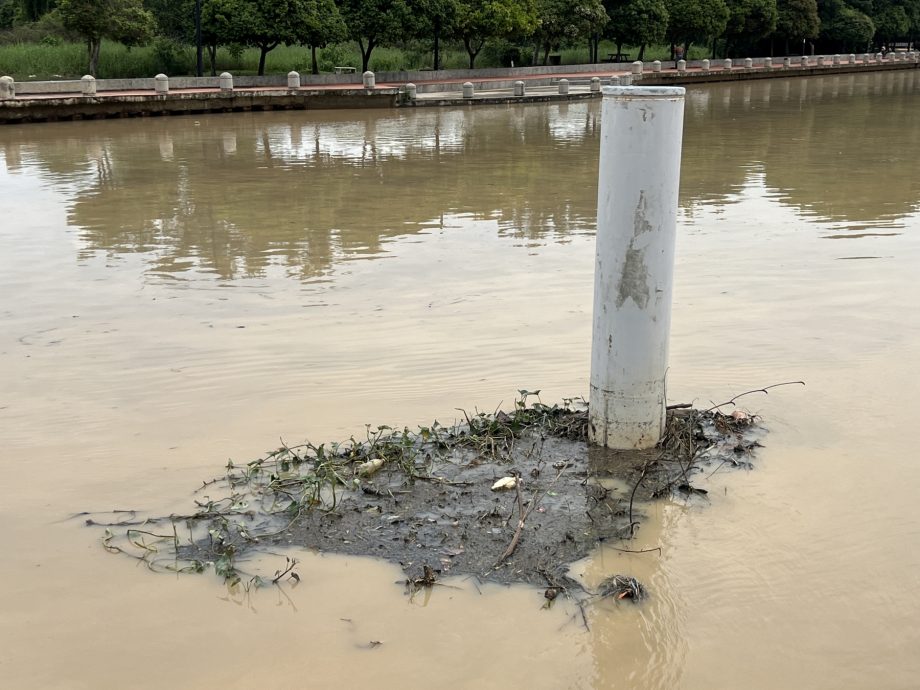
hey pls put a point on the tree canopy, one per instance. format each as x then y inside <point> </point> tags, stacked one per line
<point>125,21</point>
<point>509,30</point>
<point>696,20</point>
<point>372,23</point>
<point>477,21</point>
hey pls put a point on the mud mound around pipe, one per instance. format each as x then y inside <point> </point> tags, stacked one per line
<point>511,496</point>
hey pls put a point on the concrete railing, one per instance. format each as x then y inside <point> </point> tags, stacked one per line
<point>428,81</point>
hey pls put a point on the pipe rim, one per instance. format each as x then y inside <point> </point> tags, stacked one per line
<point>644,91</point>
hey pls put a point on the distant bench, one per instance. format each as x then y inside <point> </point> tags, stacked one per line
<point>344,70</point>
<point>617,57</point>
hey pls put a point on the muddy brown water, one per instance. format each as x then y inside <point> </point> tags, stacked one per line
<point>174,293</point>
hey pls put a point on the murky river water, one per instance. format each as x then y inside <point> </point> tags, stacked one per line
<point>177,292</point>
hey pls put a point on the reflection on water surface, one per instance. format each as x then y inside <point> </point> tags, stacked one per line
<point>235,196</point>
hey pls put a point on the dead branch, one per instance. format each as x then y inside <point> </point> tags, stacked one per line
<point>755,390</point>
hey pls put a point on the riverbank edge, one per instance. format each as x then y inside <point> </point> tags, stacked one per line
<point>40,105</point>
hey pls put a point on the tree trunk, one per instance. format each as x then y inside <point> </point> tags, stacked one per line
<point>437,45</point>
<point>547,48</point>
<point>93,45</point>
<point>641,54</point>
<point>536,53</point>
<point>212,56</point>
<point>472,52</point>
<point>263,51</point>
<point>314,65</point>
<point>366,54</point>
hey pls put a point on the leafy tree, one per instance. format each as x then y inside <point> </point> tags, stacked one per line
<point>477,21</point>
<point>891,20</point>
<point>435,18</point>
<point>175,18</point>
<point>797,20</point>
<point>221,24</point>
<point>748,22</point>
<point>372,23</point>
<point>9,13</point>
<point>33,10</point>
<point>637,22</point>
<point>119,20</point>
<point>562,20</point>
<point>266,24</point>
<point>696,20</point>
<point>321,24</point>
<point>843,27</point>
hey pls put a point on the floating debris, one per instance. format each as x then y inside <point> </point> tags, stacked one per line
<point>622,587</point>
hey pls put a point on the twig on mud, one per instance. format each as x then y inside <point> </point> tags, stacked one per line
<point>440,480</point>
<point>617,548</point>
<point>632,497</point>
<point>679,406</point>
<point>533,504</point>
<point>520,526</point>
<point>721,464</point>
<point>755,390</point>
<point>557,585</point>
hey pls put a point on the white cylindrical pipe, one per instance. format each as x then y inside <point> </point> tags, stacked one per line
<point>704,65</point>
<point>623,80</point>
<point>804,60</point>
<point>786,63</point>
<point>727,63</point>
<point>161,84</point>
<point>563,87</point>
<point>411,91</point>
<point>293,79</point>
<point>836,60</point>
<point>468,89</point>
<point>88,85</point>
<point>369,80</point>
<point>656,66</point>
<point>748,63</point>
<point>519,88</point>
<point>681,65</point>
<point>226,81</point>
<point>637,67</point>
<point>852,58</point>
<point>641,134</point>
<point>768,63</point>
<point>820,61</point>
<point>595,84</point>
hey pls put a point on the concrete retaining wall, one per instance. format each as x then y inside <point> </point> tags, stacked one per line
<point>78,108</point>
